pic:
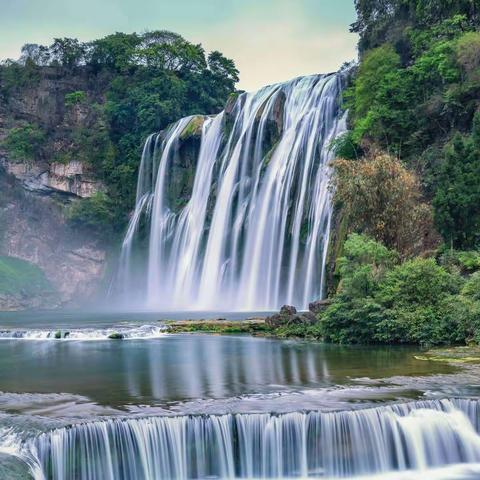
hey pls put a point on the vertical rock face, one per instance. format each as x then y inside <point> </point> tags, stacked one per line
<point>33,228</point>
<point>72,177</point>
<point>60,164</point>
<point>36,186</point>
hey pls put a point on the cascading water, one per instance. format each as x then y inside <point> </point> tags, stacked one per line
<point>417,436</point>
<point>253,233</point>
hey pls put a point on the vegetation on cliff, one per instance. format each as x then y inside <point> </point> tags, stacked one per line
<point>21,278</point>
<point>112,93</point>
<point>416,95</point>
<point>378,196</point>
<point>409,168</point>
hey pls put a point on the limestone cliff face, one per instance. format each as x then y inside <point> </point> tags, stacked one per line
<point>45,104</point>
<point>33,228</point>
<point>70,178</point>
<point>36,189</point>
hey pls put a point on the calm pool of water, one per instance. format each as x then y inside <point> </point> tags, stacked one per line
<point>164,370</point>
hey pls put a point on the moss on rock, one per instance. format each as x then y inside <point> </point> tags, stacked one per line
<point>193,128</point>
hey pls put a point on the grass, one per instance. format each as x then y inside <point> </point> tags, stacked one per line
<point>462,355</point>
<point>21,277</point>
<point>216,326</point>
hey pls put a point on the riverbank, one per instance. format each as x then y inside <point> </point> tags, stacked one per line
<point>253,326</point>
<point>288,323</point>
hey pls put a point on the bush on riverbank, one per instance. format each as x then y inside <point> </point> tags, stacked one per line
<point>380,300</point>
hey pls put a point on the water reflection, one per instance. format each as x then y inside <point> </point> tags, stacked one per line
<point>193,366</point>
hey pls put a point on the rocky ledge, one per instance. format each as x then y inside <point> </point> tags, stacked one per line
<point>72,178</point>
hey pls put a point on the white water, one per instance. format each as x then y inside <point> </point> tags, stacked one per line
<point>127,333</point>
<point>419,437</point>
<point>254,233</point>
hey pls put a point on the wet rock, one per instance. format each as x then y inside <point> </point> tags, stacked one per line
<point>231,102</point>
<point>116,336</point>
<point>319,306</point>
<point>288,310</point>
<point>193,128</point>
<point>288,316</point>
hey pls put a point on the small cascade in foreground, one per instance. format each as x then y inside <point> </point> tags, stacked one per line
<point>415,436</point>
<point>124,332</point>
<point>240,221</point>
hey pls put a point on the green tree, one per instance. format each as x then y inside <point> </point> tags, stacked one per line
<point>416,298</point>
<point>94,212</point>
<point>136,84</point>
<point>114,52</point>
<point>67,52</point>
<point>353,314</point>
<point>25,142</point>
<point>457,198</point>
<point>378,196</point>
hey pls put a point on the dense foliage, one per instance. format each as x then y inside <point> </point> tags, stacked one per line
<point>25,142</point>
<point>416,93</point>
<point>415,96</point>
<point>132,85</point>
<point>381,300</point>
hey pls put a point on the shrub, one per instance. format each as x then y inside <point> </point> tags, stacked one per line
<point>352,316</point>
<point>75,98</point>
<point>25,142</point>
<point>416,298</point>
<point>94,213</point>
<point>381,198</point>
<point>463,262</point>
<point>346,147</point>
<point>468,51</point>
<point>416,302</point>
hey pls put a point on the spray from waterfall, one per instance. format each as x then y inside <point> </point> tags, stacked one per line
<point>254,229</point>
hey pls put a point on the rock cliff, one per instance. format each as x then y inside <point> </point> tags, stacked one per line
<point>38,185</point>
<point>33,228</point>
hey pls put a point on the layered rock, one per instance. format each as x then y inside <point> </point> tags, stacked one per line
<point>72,177</point>
<point>58,167</point>
<point>33,228</point>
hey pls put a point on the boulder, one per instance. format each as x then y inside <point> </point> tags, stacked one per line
<point>116,336</point>
<point>288,315</point>
<point>288,310</point>
<point>319,306</point>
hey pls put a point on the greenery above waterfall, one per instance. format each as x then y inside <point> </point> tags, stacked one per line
<point>122,87</point>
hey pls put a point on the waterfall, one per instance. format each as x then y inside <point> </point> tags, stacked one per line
<point>253,230</point>
<point>415,436</point>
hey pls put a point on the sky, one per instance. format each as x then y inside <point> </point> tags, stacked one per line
<point>269,40</point>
